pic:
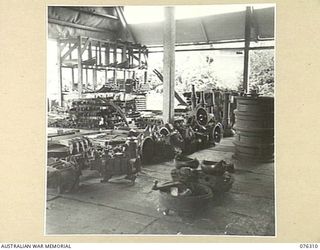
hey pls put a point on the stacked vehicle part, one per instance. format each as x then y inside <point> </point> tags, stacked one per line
<point>198,130</point>
<point>95,112</point>
<point>254,128</point>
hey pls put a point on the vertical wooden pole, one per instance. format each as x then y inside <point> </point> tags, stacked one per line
<point>115,54</point>
<point>115,77</point>
<point>139,56</point>
<point>124,53</point>
<point>94,77</point>
<point>94,72</point>
<point>100,58</point>
<point>59,72</point>
<point>90,51</point>
<point>87,78</point>
<point>107,54</point>
<point>96,54</point>
<point>79,67</point>
<point>247,37</point>
<point>72,70</point>
<point>168,64</point>
<point>107,61</point>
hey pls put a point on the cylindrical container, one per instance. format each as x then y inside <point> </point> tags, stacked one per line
<point>186,205</point>
<point>254,124</point>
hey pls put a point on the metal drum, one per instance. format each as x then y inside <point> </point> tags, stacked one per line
<point>254,124</point>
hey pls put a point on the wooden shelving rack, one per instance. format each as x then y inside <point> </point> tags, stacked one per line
<point>82,54</point>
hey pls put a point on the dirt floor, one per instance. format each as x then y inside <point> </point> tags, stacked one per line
<point>118,207</point>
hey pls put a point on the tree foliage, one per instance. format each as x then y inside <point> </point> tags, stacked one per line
<point>197,69</point>
<point>261,77</point>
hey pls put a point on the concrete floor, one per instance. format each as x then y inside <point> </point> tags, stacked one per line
<point>122,208</point>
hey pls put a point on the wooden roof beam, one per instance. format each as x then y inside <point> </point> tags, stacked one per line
<point>92,13</point>
<point>78,26</point>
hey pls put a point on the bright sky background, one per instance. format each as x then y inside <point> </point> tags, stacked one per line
<point>146,14</point>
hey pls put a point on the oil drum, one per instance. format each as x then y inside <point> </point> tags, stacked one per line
<point>254,124</point>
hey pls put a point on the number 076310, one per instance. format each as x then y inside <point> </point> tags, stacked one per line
<point>307,246</point>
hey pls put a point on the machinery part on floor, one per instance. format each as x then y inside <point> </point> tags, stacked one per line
<point>57,150</point>
<point>120,164</point>
<point>184,200</point>
<point>160,143</point>
<point>188,176</point>
<point>216,168</point>
<point>110,153</point>
<point>164,187</point>
<point>218,184</point>
<point>123,159</point>
<point>254,129</point>
<point>212,173</point>
<point>79,148</point>
<point>62,175</point>
<point>183,161</point>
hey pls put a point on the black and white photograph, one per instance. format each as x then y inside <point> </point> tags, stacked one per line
<point>161,120</point>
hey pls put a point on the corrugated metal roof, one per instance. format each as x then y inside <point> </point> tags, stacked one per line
<point>213,28</point>
<point>94,22</point>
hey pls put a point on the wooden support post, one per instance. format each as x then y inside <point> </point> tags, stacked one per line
<point>129,57</point>
<point>115,54</point>
<point>100,59</point>
<point>168,65</point>
<point>106,61</point>
<point>106,76</point>
<point>72,70</point>
<point>124,53</point>
<point>107,54</point>
<point>145,79</point>
<point>139,57</point>
<point>79,67</point>
<point>247,37</point>
<point>87,78</point>
<point>90,51</point>
<point>94,78</point>
<point>97,56</point>
<point>115,77</point>
<point>59,72</point>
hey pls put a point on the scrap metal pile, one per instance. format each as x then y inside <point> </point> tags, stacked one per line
<point>116,147</point>
<point>192,130</point>
<point>108,154</point>
<point>196,130</point>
